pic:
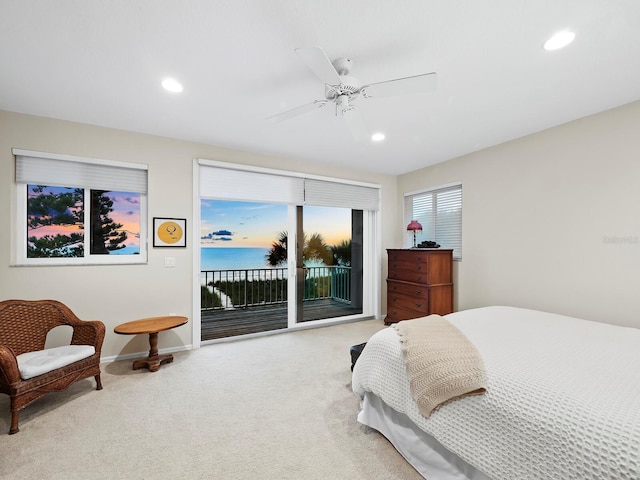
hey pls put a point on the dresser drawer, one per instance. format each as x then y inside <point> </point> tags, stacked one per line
<point>397,314</point>
<point>408,271</point>
<point>406,302</point>
<point>413,290</point>
<point>411,256</point>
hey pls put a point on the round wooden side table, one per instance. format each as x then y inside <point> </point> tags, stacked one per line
<point>151,326</point>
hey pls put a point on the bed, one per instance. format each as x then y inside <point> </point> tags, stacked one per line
<point>562,400</point>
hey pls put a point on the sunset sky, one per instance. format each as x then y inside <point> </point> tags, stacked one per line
<point>248,224</point>
<point>126,211</point>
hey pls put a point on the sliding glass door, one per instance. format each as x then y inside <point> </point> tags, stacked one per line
<point>331,283</point>
<point>278,249</point>
<point>243,267</point>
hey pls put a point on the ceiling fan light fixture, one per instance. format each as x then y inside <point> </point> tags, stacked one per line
<point>172,85</point>
<point>559,40</point>
<point>343,90</point>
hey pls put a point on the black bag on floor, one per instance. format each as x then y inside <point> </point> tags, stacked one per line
<point>355,352</point>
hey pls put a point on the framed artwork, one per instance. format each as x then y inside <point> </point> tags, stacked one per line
<point>169,232</point>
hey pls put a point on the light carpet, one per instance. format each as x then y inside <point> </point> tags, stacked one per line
<point>275,407</point>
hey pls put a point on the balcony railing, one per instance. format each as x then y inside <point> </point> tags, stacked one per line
<point>228,289</point>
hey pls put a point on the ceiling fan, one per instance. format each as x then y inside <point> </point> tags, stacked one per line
<point>343,90</point>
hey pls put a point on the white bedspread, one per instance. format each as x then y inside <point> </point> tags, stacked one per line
<point>563,396</point>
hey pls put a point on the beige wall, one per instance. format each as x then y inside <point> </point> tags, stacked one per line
<point>119,293</point>
<point>551,221</point>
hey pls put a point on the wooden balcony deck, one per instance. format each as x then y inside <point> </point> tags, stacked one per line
<point>239,321</point>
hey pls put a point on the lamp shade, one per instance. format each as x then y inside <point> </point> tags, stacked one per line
<point>414,225</point>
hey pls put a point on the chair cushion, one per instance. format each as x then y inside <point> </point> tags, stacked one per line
<point>32,364</point>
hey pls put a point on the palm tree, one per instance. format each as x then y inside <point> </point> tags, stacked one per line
<point>341,253</point>
<point>314,249</point>
<point>277,255</point>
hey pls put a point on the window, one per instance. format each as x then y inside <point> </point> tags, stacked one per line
<point>74,210</point>
<point>439,210</point>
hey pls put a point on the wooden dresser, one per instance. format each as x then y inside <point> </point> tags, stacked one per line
<point>419,283</point>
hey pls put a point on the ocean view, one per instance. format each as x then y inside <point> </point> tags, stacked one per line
<point>238,258</point>
<point>232,258</point>
<point>128,250</point>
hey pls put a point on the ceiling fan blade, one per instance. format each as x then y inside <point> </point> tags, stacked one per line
<point>294,112</point>
<point>319,63</point>
<point>356,124</point>
<point>427,82</point>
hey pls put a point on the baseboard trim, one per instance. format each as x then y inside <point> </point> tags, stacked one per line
<point>138,355</point>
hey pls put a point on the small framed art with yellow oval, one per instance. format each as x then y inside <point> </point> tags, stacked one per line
<point>169,232</point>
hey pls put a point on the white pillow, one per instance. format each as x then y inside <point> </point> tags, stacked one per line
<point>32,364</point>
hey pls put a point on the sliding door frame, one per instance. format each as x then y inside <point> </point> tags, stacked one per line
<point>371,292</point>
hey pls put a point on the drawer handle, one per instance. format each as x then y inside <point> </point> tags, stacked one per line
<point>419,277</point>
<point>418,305</point>
<point>418,267</point>
<point>418,292</point>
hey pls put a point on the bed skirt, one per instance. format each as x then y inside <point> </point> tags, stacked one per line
<point>420,449</point>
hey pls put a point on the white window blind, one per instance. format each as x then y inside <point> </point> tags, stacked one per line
<point>334,194</point>
<point>228,183</point>
<point>40,168</point>
<point>439,211</point>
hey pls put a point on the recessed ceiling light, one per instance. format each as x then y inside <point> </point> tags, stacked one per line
<point>559,40</point>
<point>171,85</point>
<point>377,137</point>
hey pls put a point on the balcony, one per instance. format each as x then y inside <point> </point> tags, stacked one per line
<point>238,302</point>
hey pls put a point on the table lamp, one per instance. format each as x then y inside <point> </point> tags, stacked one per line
<point>414,226</point>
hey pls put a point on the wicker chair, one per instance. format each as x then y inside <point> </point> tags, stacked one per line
<point>24,325</point>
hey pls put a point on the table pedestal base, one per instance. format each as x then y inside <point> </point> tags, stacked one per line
<point>153,363</point>
<point>154,360</point>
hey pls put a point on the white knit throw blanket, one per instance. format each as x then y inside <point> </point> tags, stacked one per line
<point>442,363</point>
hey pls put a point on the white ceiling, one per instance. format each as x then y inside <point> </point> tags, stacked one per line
<point>101,63</point>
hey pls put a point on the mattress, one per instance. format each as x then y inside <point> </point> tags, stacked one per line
<point>561,401</point>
